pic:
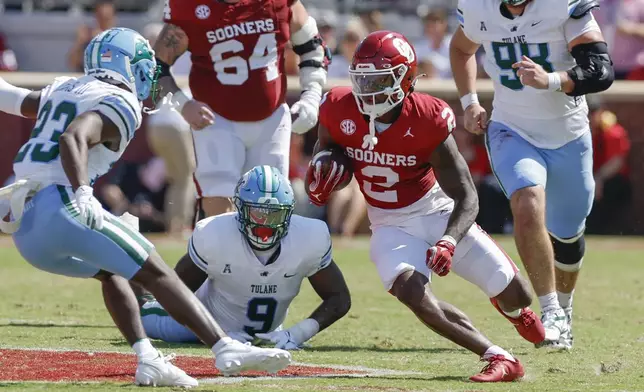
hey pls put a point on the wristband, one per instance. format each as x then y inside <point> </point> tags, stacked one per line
<point>554,81</point>
<point>449,238</point>
<point>469,99</point>
<point>304,330</point>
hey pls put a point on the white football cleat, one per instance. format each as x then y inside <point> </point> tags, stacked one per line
<point>235,357</point>
<point>160,372</point>
<point>555,326</point>
<point>566,339</point>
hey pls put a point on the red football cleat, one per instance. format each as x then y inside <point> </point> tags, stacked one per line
<point>499,369</point>
<point>527,324</point>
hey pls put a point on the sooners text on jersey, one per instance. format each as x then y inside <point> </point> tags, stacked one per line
<point>237,53</point>
<point>396,173</point>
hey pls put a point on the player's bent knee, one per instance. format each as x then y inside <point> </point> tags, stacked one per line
<point>153,269</point>
<point>102,275</point>
<point>569,252</point>
<point>409,288</point>
<point>528,206</point>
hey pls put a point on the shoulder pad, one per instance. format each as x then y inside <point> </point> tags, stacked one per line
<point>579,8</point>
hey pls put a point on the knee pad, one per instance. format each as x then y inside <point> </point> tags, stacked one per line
<point>569,252</point>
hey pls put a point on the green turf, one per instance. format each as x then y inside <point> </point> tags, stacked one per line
<point>45,311</point>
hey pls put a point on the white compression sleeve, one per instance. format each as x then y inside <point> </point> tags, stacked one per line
<point>11,98</point>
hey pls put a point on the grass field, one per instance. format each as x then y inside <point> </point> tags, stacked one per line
<point>42,311</point>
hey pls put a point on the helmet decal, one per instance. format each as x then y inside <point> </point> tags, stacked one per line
<point>405,49</point>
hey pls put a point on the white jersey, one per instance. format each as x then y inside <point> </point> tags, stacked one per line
<point>61,102</point>
<point>547,119</point>
<point>243,294</point>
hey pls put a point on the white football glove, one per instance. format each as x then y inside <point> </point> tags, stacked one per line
<point>91,210</point>
<point>307,109</point>
<point>294,337</point>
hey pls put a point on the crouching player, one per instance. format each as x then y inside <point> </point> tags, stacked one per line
<point>247,267</point>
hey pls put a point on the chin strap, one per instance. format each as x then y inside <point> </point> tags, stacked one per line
<point>370,140</point>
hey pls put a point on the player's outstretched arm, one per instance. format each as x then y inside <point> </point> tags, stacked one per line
<point>329,284</point>
<point>462,55</point>
<point>18,101</point>
<point>191,275</point>
<point>454,177</point>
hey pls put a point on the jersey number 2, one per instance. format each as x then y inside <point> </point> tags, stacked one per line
<point>47,123</point>
<point>260,310</point>
<point>506,54</point>
<point>234,70</point>
<point>390,177</point>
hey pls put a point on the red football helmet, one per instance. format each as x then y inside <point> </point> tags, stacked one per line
<point>383,72</point>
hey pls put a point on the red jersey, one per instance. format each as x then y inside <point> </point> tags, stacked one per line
<point>237,53</point>
<point>396,173</point>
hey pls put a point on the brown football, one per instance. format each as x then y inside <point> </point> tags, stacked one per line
<point>326,158</point>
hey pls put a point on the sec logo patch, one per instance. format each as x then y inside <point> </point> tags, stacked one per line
<point>202,11</point>
<point>348,127</point>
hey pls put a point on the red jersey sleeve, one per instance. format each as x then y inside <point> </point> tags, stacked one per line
<point>325,110</point>
<point>174,12</point>
<point>329,108</point>
<point>291,2</point>
<point>444,120</point>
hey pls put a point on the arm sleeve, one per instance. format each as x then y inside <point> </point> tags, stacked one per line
<point>123,112</point>
<point>468,21</point>
<point>573,28</point>
<point>199,245</point>
<point>323,254</point>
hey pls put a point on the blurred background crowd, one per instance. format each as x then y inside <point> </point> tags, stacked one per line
<point>155,182</point>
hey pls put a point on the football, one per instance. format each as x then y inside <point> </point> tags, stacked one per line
<point>337,155</point>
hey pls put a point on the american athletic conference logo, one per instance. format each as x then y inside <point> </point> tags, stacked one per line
<point>348,127</point>
<point>202,11</point>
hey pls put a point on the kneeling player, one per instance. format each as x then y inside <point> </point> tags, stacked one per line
<point>417,225</point>
<point>247,267</point>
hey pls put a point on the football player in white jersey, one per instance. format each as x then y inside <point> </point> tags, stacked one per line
<point>248,266</point>
<point>543,57</point>
<point>83,126</point>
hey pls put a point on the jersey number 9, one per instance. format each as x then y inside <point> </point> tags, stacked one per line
<point>260,310</point>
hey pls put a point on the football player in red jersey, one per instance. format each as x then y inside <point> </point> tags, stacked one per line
<point>238,114</point>
<point>400,143</point>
